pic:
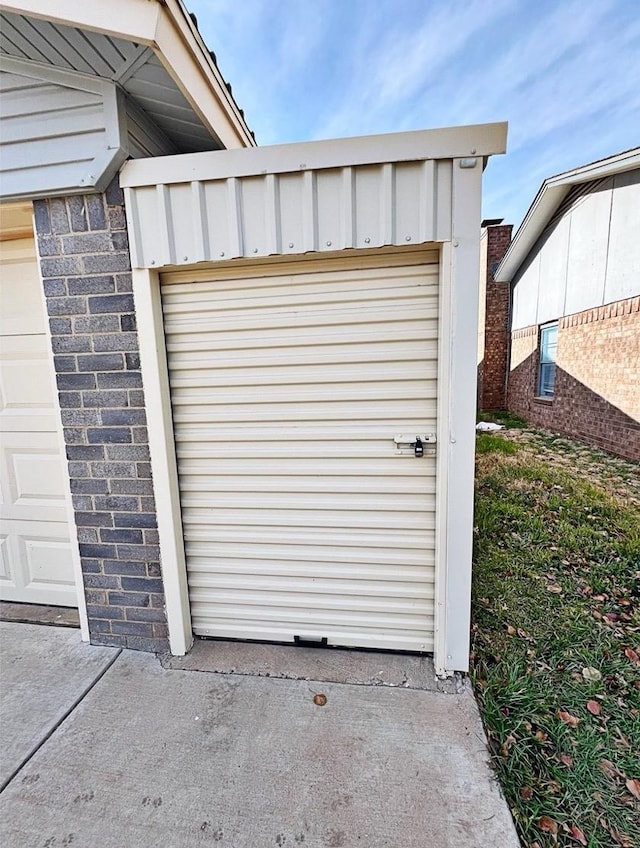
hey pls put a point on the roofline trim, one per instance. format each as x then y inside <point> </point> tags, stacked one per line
<point>447,143</point>
<point>549,197</point>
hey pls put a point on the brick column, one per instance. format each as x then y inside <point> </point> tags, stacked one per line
<point>496,330</point>
<point>86,269</point>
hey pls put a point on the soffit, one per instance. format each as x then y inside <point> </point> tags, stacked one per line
<point>134,67</point>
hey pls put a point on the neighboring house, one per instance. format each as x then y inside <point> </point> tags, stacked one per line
<point>493,317</point>
<point>574,268</point>
<point>264,357</point>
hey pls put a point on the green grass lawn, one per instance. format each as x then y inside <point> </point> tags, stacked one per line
<point>556,637</point>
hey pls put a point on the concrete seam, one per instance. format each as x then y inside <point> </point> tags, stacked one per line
<point>461,685</point>
<point>58,723</point>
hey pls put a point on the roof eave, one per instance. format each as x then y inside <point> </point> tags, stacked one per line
<point>550,195</point>
<point>165,27</point>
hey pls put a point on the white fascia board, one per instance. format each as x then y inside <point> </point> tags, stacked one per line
<point>165,26</point>
<point>621,162</point>
<point>131,20</point>
<point>449,143</point>
<point>550,195</point>
<point>187,61</point>
<point>545,204</point>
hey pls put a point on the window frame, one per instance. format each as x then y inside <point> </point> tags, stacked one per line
<point>544,363</point>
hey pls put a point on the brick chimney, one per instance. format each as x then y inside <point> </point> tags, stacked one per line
<point>493,333</point>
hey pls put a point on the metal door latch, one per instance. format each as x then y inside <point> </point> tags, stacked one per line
<point>420,445</point>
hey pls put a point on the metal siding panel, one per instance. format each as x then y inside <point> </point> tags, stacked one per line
<point>443,193</point>
<point>145,225</point>
<point>368,202</point>
<point>407,203</point>
<point>330,209</point>
<point>184,221</point>
<point>291,197</point>
<point>253,223</point>
<point>305,211</point>
<point>217,219</point>
<point>299,516</point>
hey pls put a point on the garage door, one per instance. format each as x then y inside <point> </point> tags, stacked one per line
<point>306,513</point>
<point>36,563</point>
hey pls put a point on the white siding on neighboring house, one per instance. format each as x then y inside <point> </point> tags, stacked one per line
<point>589,256</point>
<point>623,265</point>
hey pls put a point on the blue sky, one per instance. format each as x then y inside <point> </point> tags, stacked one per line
<point>564,73</point>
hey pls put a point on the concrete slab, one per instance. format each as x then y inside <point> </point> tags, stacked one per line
<point>367,668</point>
<point>44,672</point>
<point>156,757</point>
<point>39,614</point>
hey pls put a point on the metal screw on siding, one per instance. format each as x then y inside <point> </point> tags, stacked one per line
<point>367,240</point>
<point>255,249</point>
<point>222,253</point>
<point>407,238</point>
<point>328,244</point>
<point>153,262</point>
<point>185,258</point>
<point>290,244</point>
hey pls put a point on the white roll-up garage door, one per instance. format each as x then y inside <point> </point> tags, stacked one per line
<point>302,517</point>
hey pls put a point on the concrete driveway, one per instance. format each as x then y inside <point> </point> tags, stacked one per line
<point>152,756</point>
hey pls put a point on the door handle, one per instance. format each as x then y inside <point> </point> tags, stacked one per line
<point>407,444</point>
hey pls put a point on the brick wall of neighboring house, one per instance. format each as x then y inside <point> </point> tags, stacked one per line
<point>492,371</point>
<point>596,395</point>
<point>85,265</point>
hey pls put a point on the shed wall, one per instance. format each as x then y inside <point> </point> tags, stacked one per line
<point>362,206</point>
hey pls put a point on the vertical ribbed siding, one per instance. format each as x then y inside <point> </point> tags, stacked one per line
<point>362,206</point>
<point>300,517</point>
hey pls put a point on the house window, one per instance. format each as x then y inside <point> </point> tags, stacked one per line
<point>547,367</point>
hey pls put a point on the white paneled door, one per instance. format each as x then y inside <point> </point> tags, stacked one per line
<point>303,516</point>
<point>35,562</point>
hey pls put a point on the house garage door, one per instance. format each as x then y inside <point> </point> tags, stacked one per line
<point>36,563</point>
<point>302,516</point>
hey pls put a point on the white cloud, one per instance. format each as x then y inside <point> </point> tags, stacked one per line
<point>564,73</point>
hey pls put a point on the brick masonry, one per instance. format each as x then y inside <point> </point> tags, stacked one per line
<point>492,370</point>
<point>85,265</point>
<point>596,396</point>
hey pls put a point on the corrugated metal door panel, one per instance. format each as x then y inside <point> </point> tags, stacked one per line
<point>300,516</point>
